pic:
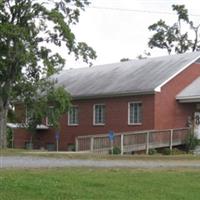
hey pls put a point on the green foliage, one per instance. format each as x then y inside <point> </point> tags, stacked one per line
<point>172,37</point>
<point>176,151</point>
<point>115,151</point>
<point>166,151</point>
<point>152,151</point>
<point>38,107</point>
<point>29,31</point>
<point>9,137</point>
<point>191,141</point>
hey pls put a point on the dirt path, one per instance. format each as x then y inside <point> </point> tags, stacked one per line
<point>41,162</point>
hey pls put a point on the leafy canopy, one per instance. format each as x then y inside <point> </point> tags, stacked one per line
<point>29,30</point>
<point>173,38</point>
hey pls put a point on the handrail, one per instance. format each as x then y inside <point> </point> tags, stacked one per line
<point>129,133</point>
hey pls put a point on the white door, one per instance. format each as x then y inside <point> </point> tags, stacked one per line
<point>197,124</point>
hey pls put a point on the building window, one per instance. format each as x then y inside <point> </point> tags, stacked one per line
<point>50,116</point>
<point>135,113</point>
<point>99,114</point>
<point>73,116</point>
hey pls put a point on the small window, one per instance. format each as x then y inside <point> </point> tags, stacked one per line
<point>99,114</point>
<point>50,116</point>
<point>134,113</point>
<point>73,116</point>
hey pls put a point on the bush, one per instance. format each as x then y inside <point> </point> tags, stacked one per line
<point>9,137</point>
<point>116,151</point>
<point>152,151</point>
<point>191,141</point>
<point>176,151</point>
<point>71,147</point>
<point>166,151</point>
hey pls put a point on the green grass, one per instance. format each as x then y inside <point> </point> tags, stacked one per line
<point>99,184</point>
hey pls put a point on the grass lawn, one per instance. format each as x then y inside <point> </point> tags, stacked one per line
<point>99,184</point>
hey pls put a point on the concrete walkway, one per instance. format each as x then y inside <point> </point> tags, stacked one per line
<point>41,162</point>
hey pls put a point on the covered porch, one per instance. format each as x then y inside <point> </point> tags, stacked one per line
<point>191,95</point>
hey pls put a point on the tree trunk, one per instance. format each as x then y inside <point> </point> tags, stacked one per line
<point>3,126</point>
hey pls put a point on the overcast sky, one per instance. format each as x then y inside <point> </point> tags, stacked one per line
<point>119,28</point>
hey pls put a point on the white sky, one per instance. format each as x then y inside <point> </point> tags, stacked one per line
<point>115,34</point>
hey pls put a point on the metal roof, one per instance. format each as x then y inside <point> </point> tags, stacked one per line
<point>124,78</point>
<point>191,93</point>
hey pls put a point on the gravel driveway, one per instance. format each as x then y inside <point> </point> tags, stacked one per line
<point>41,162</point>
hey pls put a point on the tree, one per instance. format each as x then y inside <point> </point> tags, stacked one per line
<point>124,59</point>
<point>27,27</point>
<point>174,38</point>
<point>145,55</point>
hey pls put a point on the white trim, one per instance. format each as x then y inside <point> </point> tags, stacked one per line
<point>187,97</point>
<point>189,100</point>
<point>134,102</point>
<point>158,88</point>
<point>68,116</point>
<point>21,125</point>
<point>97,124</point>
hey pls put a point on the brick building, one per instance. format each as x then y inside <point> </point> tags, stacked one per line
<point>148,94</point>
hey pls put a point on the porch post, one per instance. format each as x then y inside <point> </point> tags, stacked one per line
<point>122,144</point>
<point>171,139</point>
<point>147,143</point>
<point>76,144</point>
<point>91,144</point>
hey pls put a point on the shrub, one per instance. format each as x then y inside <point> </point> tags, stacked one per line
<point>116,151</point>
<point>166,151</point>
<point>176,151</point>
<point>71,147</point>
<point>9,137</point>
<point>152,151</point>
<point>191,141</point>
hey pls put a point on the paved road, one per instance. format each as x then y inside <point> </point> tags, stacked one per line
<point>41,162</point>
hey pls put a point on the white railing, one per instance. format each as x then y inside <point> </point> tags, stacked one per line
<point>132,141</point>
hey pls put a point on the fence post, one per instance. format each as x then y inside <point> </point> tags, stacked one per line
<point>147,143</point>
<point>122,144</point>
<point>92,144</point>
<point>171,139</point>
<point>76,144</point>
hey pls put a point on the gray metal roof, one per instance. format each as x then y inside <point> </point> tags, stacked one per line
<point>124,78</point>
<point>191,92</point>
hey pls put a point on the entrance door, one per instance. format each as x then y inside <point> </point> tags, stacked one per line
<point>197,124</point>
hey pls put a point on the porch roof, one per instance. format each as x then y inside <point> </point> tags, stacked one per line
<point>191,93</point>
<point>20,125</point>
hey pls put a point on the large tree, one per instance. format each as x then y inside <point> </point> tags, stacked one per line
<point>27,28</point>
<point>180,37</point>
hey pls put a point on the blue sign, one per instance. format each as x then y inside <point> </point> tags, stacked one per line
<point>57,135</point>
<point>111,135</point>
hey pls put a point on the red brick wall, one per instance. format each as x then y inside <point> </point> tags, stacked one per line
<point>20,137</point>
<point>116,117</point>
<point>116,120</point>
<point>169,113</point>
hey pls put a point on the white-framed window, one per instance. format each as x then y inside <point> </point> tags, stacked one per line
<point>99,114</point>
<point>50,116</point>
<point>134,113</point>
<point>73,118</point>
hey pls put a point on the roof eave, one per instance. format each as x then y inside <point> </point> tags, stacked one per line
<point>110,95</point>
<point>158,88</point>
<point>188,99</point>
